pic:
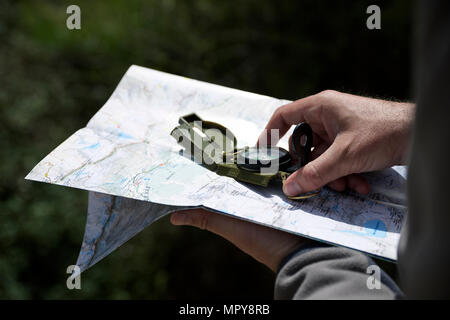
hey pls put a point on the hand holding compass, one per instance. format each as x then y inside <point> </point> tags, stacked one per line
<point>214,146</point>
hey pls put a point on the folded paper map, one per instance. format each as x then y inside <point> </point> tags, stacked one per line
<point>132,167</point>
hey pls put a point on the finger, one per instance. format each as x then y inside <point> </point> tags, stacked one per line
<point>266,245</point>
<point>338,184</point>
<point>241,233</point>
<point>316,140</point>
<point>206,220</point>
<point>193,217</point>
<point>319,149</point>
<point>358,183</point>
<point>317,143</point>
<point>286,116</point>
<point>317,173</point>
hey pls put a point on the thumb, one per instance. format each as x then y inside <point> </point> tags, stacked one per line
<point>317,173</point>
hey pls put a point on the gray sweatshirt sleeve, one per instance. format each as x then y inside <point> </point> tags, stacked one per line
<point>424,248</point>
<point>319,271</point>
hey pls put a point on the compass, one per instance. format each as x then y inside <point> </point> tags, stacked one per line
<point>214,146</point>
<point>257,158</point>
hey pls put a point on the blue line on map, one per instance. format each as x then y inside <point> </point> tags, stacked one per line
<point>372,228</point>
<point>124,135</point>
<point>93,146</point>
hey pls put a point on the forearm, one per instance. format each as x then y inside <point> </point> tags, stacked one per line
<point>325,272</point>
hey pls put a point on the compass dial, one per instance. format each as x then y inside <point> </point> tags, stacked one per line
<point>255,158</point>
<point>264,154</point>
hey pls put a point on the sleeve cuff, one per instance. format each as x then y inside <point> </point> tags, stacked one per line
<point>310,245</point>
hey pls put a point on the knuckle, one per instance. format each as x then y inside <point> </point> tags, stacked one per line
<point>328,95</point>
<point>279,112</point>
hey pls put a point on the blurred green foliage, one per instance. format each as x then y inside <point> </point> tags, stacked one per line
<point>53,80</point>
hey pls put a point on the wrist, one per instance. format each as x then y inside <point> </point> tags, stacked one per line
<point>405,120</point>
<point>279,257</point>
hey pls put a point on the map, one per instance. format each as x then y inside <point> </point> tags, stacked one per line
<point>131,165</point>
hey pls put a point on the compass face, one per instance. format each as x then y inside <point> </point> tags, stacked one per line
<point>255,158</point>
<point>264,154</point>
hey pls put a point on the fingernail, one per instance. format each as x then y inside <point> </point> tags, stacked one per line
<point>291,188</point>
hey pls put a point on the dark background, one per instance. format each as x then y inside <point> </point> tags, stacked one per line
<point>53,80</point>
